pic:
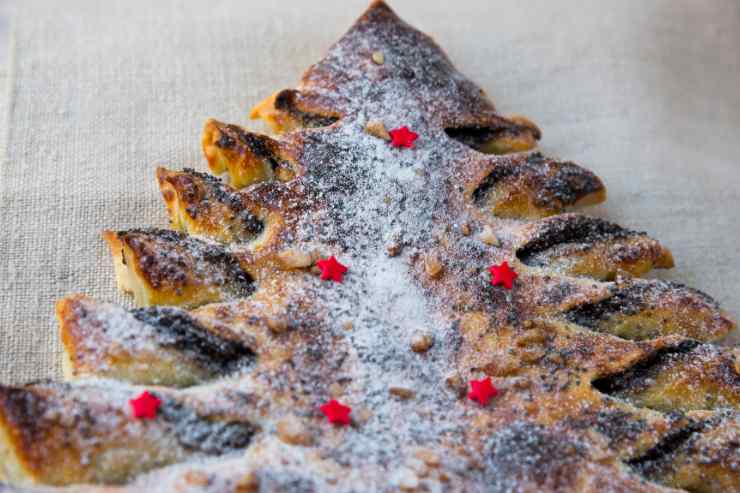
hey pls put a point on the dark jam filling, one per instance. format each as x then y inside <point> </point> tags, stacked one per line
<point>476,137</point>
<point>286,101</point>
<point>199,434</point>
<point>162,265</point>
<point>638,375</point>
<point>570,229</point>
<point>659,457</point>
<point>178,330</point>
<point>222,194</point>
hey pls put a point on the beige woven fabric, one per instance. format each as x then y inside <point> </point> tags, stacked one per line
<point>644,93</point>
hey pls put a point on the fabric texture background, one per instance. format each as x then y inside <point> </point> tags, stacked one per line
<point>646,94</point>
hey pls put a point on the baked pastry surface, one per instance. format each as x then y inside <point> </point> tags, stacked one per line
<point>606,381</point>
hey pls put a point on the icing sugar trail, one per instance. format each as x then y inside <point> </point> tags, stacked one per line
<point>376,195</point>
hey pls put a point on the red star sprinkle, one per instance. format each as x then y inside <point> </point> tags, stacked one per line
<point>403,137</point>
<point>502,274</point>
<point>145,406</point>
<point>482,391</point>
<point>336,413</point>
<point>331,269</point>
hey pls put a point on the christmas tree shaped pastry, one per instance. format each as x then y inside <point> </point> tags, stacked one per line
<point>388,294</point>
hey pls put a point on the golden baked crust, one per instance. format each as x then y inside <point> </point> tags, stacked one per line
<point>606,382</point>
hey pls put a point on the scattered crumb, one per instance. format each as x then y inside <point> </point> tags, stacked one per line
<point>455,383</point>
<point>433,266</point>
<point>277,324</point>
<point>248,484</point>
<point>488,237</point>
<point>377,129</point>
<point>292,431</point>
<point>196,478</point>
<point>336,389</point>
<point>429,457</point>
<point>379,58</point>
<point>394,249</point>
<point>292,258</point>
<point>421,342</point>
<point>402,392</point>
<point>363,415</point>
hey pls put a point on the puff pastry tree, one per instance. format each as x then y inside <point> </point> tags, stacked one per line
<point>606,381</point>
